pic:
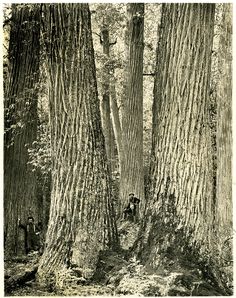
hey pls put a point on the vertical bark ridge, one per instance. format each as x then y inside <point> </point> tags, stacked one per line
<point>116,120</point>
<point>81,214</point>
<point>132,176</point>
<point>224,127</point>
<point>21,91</point>
<point>181,170</point>
<point>105,103</point>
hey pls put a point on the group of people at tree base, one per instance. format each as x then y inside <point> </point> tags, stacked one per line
<point>33,235</point>
<point>131,210</point>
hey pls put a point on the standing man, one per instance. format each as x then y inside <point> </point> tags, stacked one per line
<point>30,234</point>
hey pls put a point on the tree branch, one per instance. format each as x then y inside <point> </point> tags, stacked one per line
<point>112,43</point>
<point>101,41</point>
<point>149,74</point>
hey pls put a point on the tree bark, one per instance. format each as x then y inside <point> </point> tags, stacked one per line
<point>21,91</point>
<point>105,104</point>
<point>132,176</point>
<point>116,119</point>
<point>81,220</point>
<point>180,203</point>
<point>224,128</point>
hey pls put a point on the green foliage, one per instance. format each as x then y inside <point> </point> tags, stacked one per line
<point>20,99</point>
<point>109,15</point>
<point>112,17</point>
<point>17,111</point>
<point>40,152</point>
<point>152,19</point>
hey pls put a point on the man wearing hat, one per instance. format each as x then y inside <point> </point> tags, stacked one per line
<point>130,211</point>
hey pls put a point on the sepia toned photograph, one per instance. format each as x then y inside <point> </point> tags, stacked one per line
<point>117,149</point>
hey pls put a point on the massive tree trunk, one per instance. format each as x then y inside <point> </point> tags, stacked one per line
<point>81,213</point>
<point>180,203</point>
<point>105,104</point>
<point>20,200</point>
<point>132,177</point>
<point>224,132</point>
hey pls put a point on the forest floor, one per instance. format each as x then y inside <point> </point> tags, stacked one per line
<point>116,274</point>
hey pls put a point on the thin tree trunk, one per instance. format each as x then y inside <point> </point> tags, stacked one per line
<point>105,104</point>
<point>132,175</point>
<point>180,201</point>
<point>81,214</point>
<point>20,199</point>
<point>116,120</point>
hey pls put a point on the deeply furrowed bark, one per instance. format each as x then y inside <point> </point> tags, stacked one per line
<point>180,191</point>
<point>132,176</point>
<point>224,134</point>
<point>81,220</point>
<point>20,103</point>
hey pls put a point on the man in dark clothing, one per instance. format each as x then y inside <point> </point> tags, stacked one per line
<point>30,235</point>
<point>130,211</point>
<point>127,212</point>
